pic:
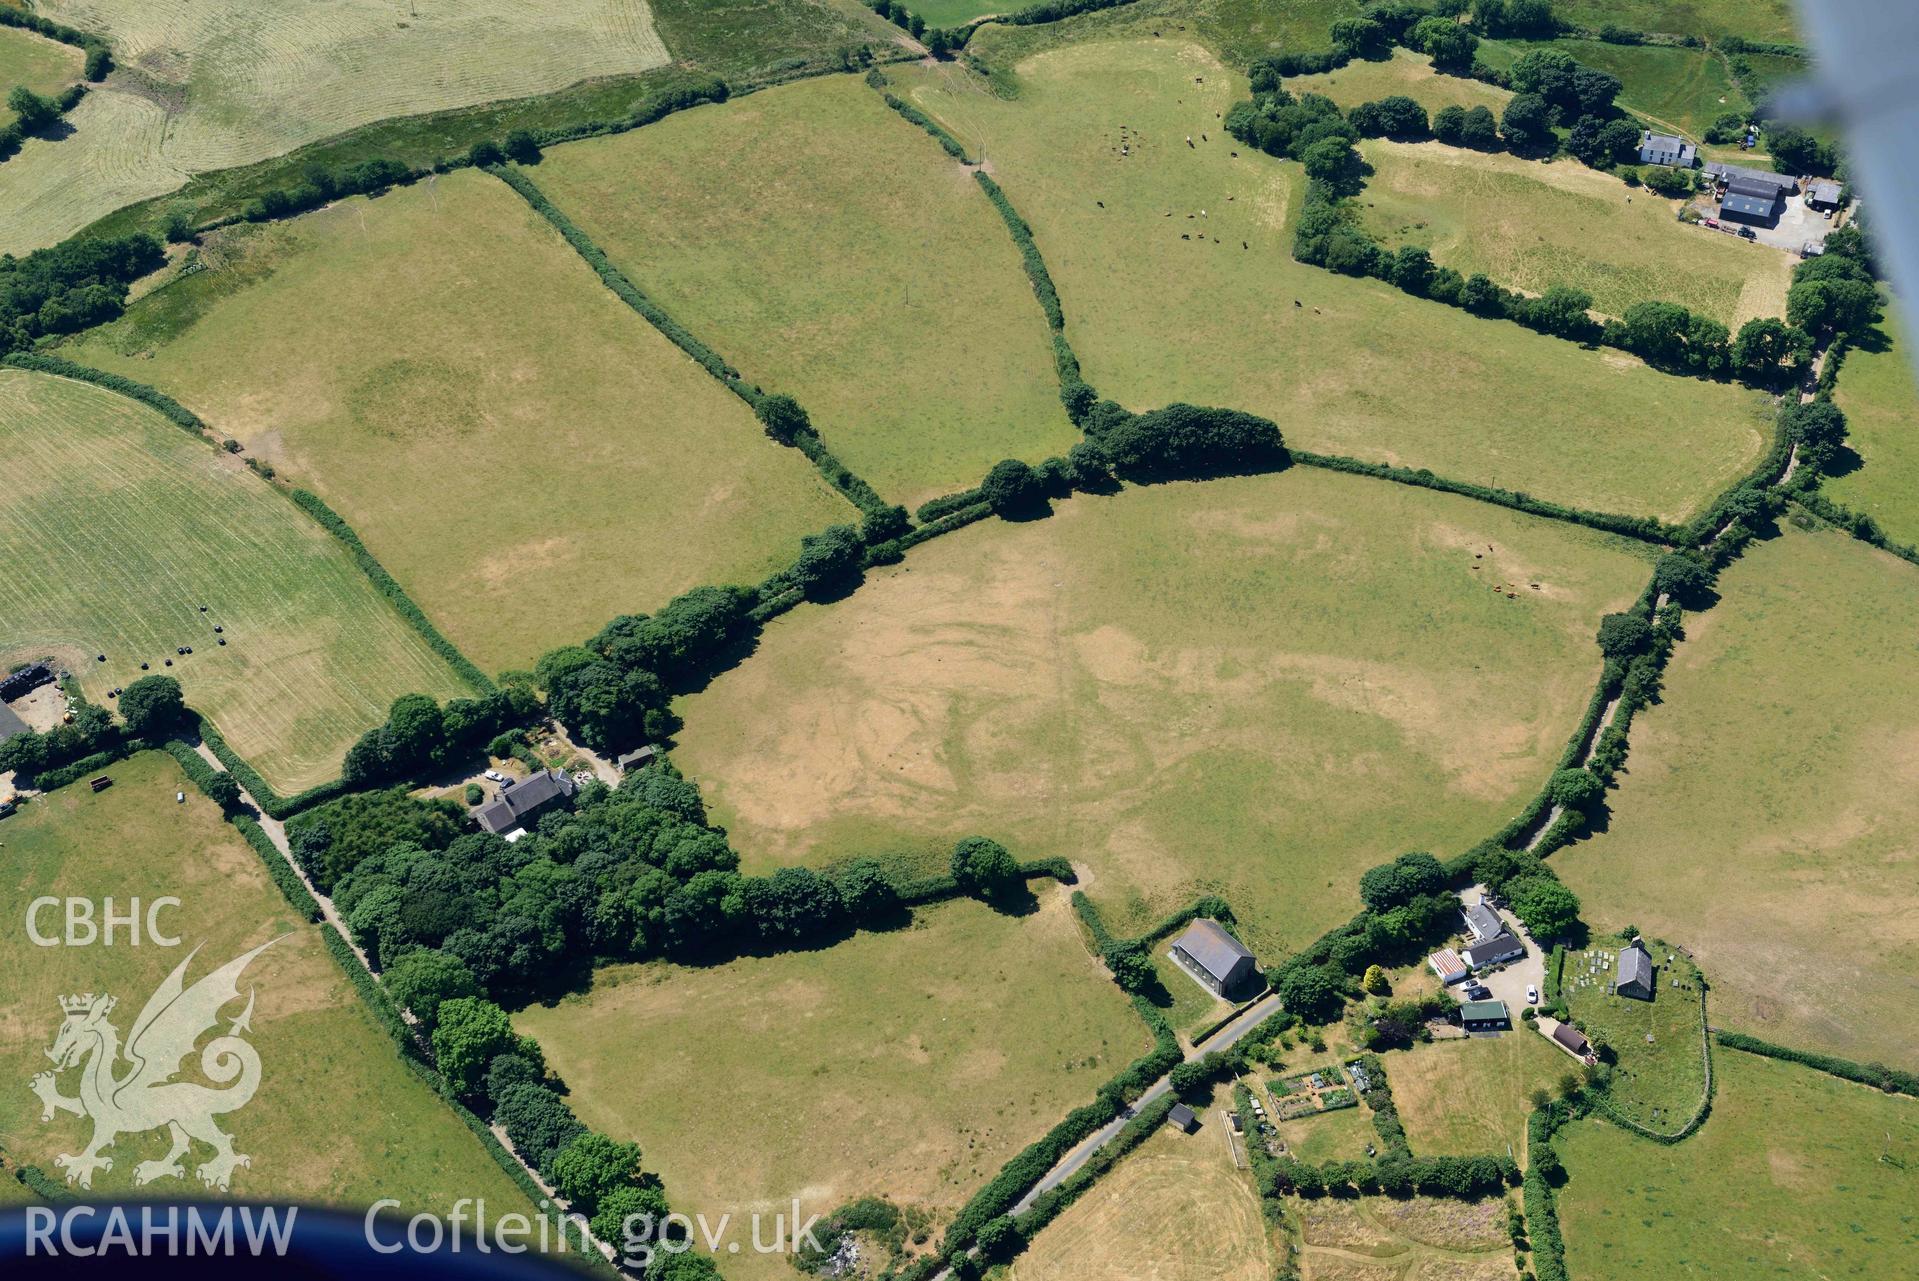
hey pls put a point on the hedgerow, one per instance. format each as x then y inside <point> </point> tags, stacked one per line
<point>1877,1075</point>
<point>1035,265</point>
<point>283,876</point>
<point>912,113</point>
<point>172,409</point>
<point>1643,528</point>
<point>270,801</point>
<point>396,595</point>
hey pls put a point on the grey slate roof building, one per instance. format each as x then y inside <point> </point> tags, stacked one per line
<point>11,724</point>
<point>1182,1116</point>
<point>1635,972</point>
<point>1823,195</point>
<point>1725,174</point>
<point>522,801</point>
<point>1749,202</point>
<point>1500,947</point>
<point>1664,149</point>
<point>1215,958</point>
<point>1483,922</point>
<point>638,758</point>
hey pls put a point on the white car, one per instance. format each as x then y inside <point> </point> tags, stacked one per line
<point>1532,994</point>
<point>496,776</point>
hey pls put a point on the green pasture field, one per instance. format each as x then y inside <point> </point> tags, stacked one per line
<point>1356,366</point>
<point>236,81</point>
<point>954,13</point>
<point>37,63</point>
<point>1376,1238</point>
<point>338,1118</point>
<point>751,42</point>
<point>580,466</point>
<point>1768,20</point>
<point>1176,1209</point>
<point>910,1064</point>
<point>1660,1078</point>
<point>1471,1096</point>
<point>1881,403</point>
<point>1670,87</point>
<point>1783,750</point>
<point>1406,73</point>
<point>1256,687</point>
<point>1531,226</point>
<point>1340,1135</point>
<point>832,251</point>
<point>1795,1174</point>
<point>119,526</point>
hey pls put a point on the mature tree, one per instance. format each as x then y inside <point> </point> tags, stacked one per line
<point>1413,270</point>
<point>1012,487</point>
<point>484,153</point>
<point>423,980</point>
<point>1478,130</point>
<point>509,1070</point>
<point>1593,91</point>
<point>1311,992</point>
<point>782,417</point>
<point>416,730</point>
<point>153,706</point>
<point>1547,72</point>
<point>539,1122</point>
<point>1132,968</point>
<point>1561,310</point>
<point>470,1032</point>
<point>869,895</point>
<point>1623,635</point>
<point>1450,45</point>
<point>1480,295</point>
<point>829,559</point>
<point>1575,789</point>
<point>1399,882</point>
<point>1795,151</point>
<point>223,791</point>
<point>1360,38</point>
<point>999,1239</point>
<point>591,1166</point>
<point>794,905</point>
<point>1182,440</point>
<point>522,148</point>
<point>1766,347</point>
<point>629,1218</point>
<point>1656,331</point>
<point>1620,138</point>
<point>1375,981</point>
<point>1837,306</point>
<point>1449,125</point>
<point>985,868</point>
<point>1547,907</point>
<point>1527,123</point>
<point>1333,162</point>
<point>1681,575</point>
<point>31,111</point>
<point>1394,117</point>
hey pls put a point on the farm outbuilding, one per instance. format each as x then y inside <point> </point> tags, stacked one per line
<point>1824,195</point>
<point>11,724</point>
<point>1182,1116</point>
<point>1448,966</point>
<point>638,758</point>
<point>1485,1016</point>
<point>1573,1040</point>
<point>1215,958</point>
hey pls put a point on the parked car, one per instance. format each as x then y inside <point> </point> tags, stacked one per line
<point>1747,233</point>
<point>1532,994</point>
<point>1478,992</point>
<point>1710,222</point>
<point>496,776</point>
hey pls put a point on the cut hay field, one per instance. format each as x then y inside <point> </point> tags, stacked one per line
<point>118,526</point>
<point>910,1064</point>
<point>832,251</point>
<point>37,63</point>
<point>1357,367</point>
<point>1407,73</point>
<point>953,13</point>
<point>1174,1210</point>
<point>1796,1174</point>
<point>52,188</point>
<point>338,1118</point>
<point>1257,687</point>
<point>752,41</point>
<point>1778,781</point>
<point>1416,1239</point>
<point>1470,1096</point>
<point>443,340</point>
<point>235,81</point>
<point>1678,89</point>
<point>1531,226</point>
<point>1881,403</point>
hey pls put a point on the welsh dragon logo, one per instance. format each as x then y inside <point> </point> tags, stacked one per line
<point>144,1096</point>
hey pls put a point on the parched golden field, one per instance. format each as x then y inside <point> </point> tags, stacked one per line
<point>1531,226</point>
<point>1416,1239</point>
<point>1471,1096</point>
<point>1171,246</point>
<point>119,526</point>
<point>521,450</point>
<point>235,81</point>
<point>830,250</point>
<point>910,1064</point>
<point>1256,686</point>
<point>1407,73</point>
<point>1174,1210</point>
<point>54,187</point>
<point>338,1119</point>
<point>34,62</point>
<point>1768,808</point>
